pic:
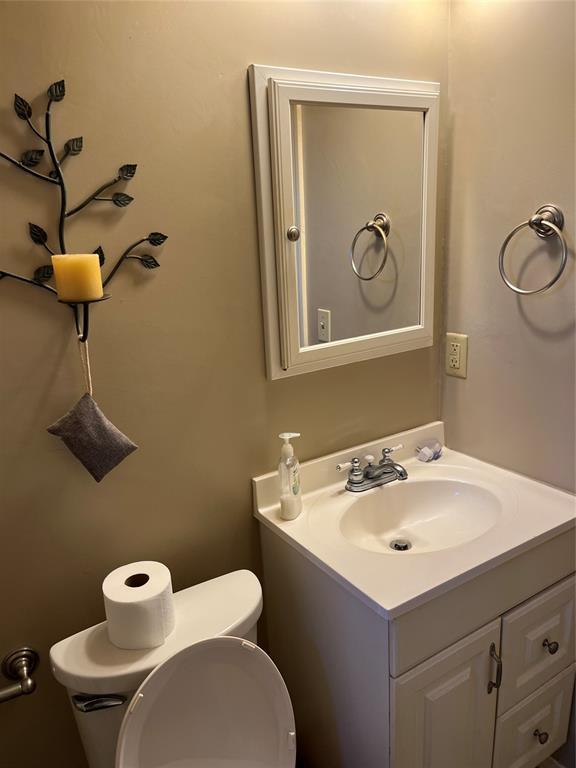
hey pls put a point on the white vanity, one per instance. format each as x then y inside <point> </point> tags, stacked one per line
<point>456,653</point>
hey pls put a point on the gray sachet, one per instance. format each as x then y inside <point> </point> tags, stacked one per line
<point>94,440</point>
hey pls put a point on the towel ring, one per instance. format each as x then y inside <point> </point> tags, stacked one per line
<point>380,224</point>
<point>548,220</point>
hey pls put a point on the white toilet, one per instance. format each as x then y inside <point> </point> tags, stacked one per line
<point>208,698</point>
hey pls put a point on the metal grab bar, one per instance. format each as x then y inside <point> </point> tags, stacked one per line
<point>19,665</point>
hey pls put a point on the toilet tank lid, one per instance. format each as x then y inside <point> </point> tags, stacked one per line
<point>88,662</point>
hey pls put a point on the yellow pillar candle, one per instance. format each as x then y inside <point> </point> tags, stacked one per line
<point>78,276</point>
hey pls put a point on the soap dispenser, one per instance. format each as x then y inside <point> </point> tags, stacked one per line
<point>289,474</point>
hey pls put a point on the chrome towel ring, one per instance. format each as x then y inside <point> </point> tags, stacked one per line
<point>548,220</point>
<point>381,225</point>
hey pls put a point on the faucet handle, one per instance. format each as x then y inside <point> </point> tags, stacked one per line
<point>355,475</point>
<point>387,451</point>
<point>354,464</point>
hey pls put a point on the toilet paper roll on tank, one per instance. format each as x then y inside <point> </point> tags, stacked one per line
<point>139,605</point>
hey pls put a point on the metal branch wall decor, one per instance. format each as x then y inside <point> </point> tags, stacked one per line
<point>30,163</point>
<point>85,431</point>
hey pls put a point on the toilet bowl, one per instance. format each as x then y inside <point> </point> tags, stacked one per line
<point>208,698</point>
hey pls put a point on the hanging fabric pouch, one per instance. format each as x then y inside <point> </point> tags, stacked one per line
<point>88,434</point>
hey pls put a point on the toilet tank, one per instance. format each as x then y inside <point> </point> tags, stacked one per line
<point>101,679</point>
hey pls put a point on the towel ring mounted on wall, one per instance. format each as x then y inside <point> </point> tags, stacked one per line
<point>547,221</point>
<point>381,225</point>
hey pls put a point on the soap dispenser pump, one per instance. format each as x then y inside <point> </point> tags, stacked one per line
<point>289,474</point>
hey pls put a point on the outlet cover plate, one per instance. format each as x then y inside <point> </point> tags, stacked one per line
<point>456,359</point>
<point>324,325</point>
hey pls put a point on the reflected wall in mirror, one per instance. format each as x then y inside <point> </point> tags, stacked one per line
<point>349,164</point>
<point>346,177</point>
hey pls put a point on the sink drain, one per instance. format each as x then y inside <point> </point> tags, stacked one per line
<point>400,545</point>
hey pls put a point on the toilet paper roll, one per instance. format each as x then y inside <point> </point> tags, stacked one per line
<point>139,605</point>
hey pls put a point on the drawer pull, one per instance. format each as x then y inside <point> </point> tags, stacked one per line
<point>542,736</point>
<point>498,660</point>
<point>551,647</point>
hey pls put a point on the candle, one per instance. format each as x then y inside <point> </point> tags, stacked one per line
<point>78,277</point>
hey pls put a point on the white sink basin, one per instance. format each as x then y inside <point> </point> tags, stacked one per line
<point>423,515</point>
<point>460,515</point>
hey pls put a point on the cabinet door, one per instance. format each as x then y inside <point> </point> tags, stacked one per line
<point>442,713</point>
<point>537,642</point>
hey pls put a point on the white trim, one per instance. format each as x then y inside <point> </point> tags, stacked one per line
<point>303,255</point>
<point>273,90</point>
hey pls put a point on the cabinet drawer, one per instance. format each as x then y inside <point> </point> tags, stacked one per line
<point>548,711</point>
<point>537,642</point>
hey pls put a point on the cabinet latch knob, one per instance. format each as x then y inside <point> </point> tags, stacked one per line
<point>293,234</point>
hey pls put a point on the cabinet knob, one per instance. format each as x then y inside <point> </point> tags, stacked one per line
<point>551,647</point>
<point>293,234</point>
<point>542,736</point>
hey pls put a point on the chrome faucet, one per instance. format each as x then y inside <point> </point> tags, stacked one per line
<point>373,475</point>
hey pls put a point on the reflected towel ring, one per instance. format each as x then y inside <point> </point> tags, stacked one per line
<point>548,220</point>
<point>380,224</point>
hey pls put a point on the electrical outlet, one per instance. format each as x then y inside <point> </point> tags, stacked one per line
<point>324,322</point>
<point>456,355</point>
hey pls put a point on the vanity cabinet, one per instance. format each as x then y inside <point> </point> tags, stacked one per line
<point>412,691</point>
<point>467,700</point>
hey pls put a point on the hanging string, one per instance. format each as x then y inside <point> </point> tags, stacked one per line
<point>85,360</point>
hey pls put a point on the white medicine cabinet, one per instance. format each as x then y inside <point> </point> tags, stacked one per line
<point>346,191</point>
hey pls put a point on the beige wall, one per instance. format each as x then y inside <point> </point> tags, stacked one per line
<point>512,149</point>
<point>177,354</point>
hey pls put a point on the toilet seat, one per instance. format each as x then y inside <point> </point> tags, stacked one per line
<point>220,703</point>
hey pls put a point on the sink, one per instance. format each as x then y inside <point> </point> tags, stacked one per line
<point>459,516</point>
<point>408,517</point>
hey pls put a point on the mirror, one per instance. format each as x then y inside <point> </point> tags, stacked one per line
<point>346,175</point>
<point>349,164</point>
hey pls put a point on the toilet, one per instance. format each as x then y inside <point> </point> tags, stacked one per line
<point>208,698</point>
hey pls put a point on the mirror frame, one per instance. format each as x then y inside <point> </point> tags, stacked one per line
<point>272,92</point>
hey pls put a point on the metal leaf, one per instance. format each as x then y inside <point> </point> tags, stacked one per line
<point>31,157</point>
<point>37,234</point>
<point>148,261</point>
<point>22,108</point>
<point>57,91</point>
<point>43,273</point>
<point>157,238</point>
<point>121,199</point>
<point>127,172</point>
<point>100,253</point>
<point>74,146</point>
